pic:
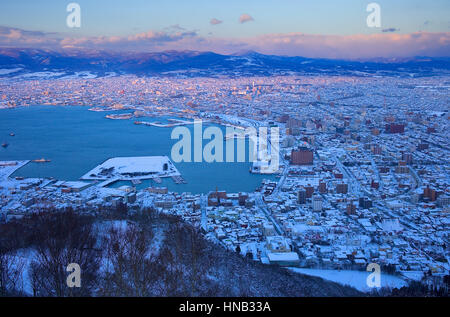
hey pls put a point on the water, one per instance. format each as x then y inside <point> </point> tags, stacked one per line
<point>76,140</point>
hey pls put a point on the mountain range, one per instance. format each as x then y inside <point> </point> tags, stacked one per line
<point>16,62</point>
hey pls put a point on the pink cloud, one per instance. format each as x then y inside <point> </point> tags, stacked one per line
<point>292,44</point>
<point>353,46</point>
<point>215,21</point>
<point>15,36</point>
<point>245,18</point>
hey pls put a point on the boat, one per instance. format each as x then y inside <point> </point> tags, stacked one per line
<point>12,134</point>
<point>5,145</point>
<point>42,160</point>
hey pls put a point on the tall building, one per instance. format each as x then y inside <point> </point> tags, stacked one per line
<point>342,188</point>
<point>365,203</point>
<point>407,157</point>
<point>351,209</point>
<point>309,191</point>
<point>317,203</point>
<point>302,156</point>
<point>301,196</point>
<point>377,150</point>
<point>429,193</point>
<point>323,188</point>
<point>242,199</point>
<point>293,123</point>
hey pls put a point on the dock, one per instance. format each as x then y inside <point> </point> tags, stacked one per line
<point>178,180</point>
<point>7,168</point>
<point>136,181</point>
<point>108,182</point>
<point>173,123</point>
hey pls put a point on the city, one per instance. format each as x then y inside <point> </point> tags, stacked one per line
<point>363,176</point>
<point>215,157</point>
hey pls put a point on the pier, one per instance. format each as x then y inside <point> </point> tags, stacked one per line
<point>174,123</point>
<point>178,180</point>
<point>109,182</point>
<point>7,168</point>
<point>136,181</point>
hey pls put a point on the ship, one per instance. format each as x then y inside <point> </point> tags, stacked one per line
<point>12,134</point>
<point>5,145</point>
<point>42,160</point>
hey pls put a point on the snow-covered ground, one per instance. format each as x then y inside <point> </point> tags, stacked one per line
<point>41,75</point>
<point>129,168</point>
<point>83,74</point>
<point>21,260</point>
<point>356,279</point>
<point>6,71</point>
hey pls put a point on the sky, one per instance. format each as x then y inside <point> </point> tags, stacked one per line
<point>311,28</point>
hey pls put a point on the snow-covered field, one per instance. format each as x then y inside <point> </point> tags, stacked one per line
<point>356,279</point>
<point>41,75</point>
<point>83,74</point>
<point>6,71</point>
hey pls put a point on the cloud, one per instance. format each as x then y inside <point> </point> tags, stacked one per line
<point>175,27</point>
<point>215,21</point>
<point>245,18</point>
<point>390,30</point>
<point>16,36</point>
<point>159,37</point>
<point>357,46</point>
<point>353,46</point>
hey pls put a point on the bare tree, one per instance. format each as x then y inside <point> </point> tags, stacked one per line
<point>11,274</point>
<point>64,238</point>
<point>130,269</point>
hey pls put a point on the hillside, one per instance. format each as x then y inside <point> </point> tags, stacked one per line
<point>144,255</point>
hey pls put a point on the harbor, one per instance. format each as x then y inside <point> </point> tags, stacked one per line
<point>81,139</point>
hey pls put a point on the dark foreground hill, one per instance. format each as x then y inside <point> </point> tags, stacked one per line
<point>146,255</point>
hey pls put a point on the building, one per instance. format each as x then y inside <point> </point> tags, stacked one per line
<point>317,203</point>
<point>407,158</point>
<point>158,190</point>
<point>443,200</point>
<point>377,150</point>
<point>351,209</point>
<point>429,193</point>
<point>342,188</point>
<point>309,191</point>
<point>323,188</point>
<point>242,199</point>
<point>301,196</point>
<point>279,252</point>
<point>401,168</point>
<point>214,198</point>
<point>423,146</point>
<point>365,203</point>
<point>302,156</point>
<point>395,128</point>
